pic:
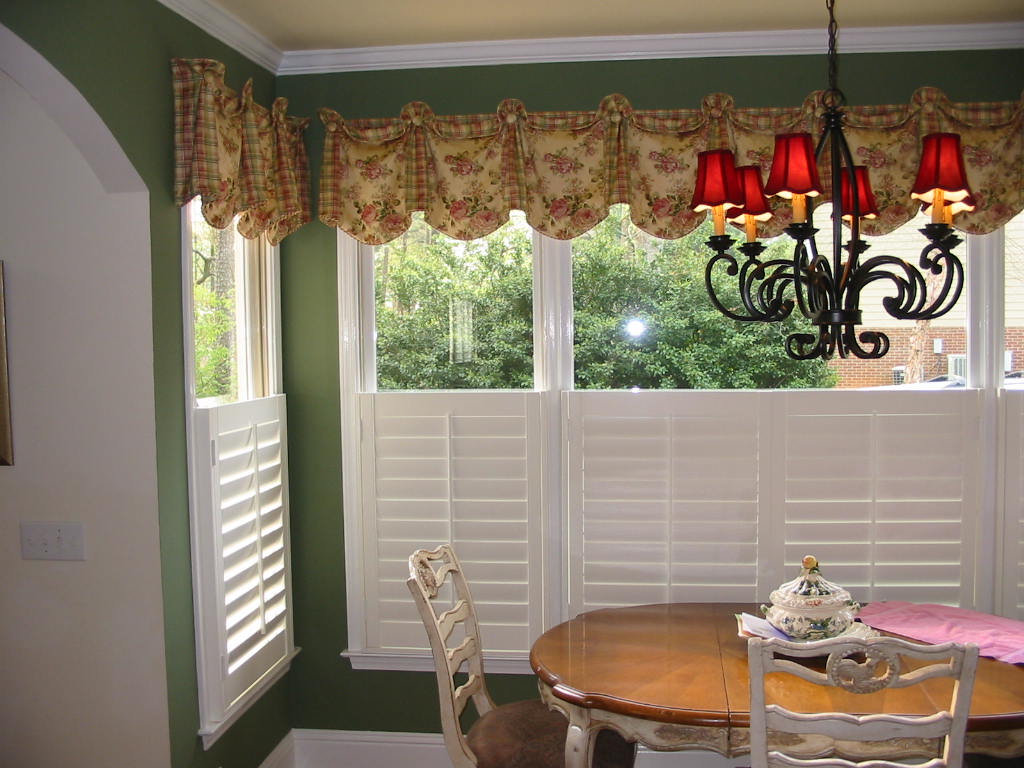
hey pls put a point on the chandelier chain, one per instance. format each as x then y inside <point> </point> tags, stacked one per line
<point>835,96</point>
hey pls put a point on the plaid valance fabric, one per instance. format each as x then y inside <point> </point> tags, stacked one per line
<point>240,157</point>
<point>564,169</point>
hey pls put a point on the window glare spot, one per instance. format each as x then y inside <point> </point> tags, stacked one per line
<point>636,328</point>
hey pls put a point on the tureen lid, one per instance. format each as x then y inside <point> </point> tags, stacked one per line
<point>810,589</point>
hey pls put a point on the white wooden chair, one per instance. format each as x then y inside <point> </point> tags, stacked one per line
<point>859,666</point>
<point>523,734</point>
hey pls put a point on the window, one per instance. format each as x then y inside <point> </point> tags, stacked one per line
<point>642,318</point>
<point>454,315</point>
<point>237,470</point>
<point>608,484</point>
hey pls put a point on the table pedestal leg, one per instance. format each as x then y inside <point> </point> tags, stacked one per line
<point>579,740</point>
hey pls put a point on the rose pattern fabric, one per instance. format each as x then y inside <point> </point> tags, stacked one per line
<point>239,157</point>
<point>564,169</point>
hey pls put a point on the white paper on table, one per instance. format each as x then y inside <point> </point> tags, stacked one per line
<point>758,627</point>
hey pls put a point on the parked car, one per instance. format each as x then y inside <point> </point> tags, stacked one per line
<point>949,381</point>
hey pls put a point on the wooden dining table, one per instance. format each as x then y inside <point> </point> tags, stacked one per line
<point>674,676</point>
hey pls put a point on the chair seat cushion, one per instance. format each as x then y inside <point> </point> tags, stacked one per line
<point>526,734</point>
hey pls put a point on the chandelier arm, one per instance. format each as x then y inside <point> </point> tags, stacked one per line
<point>910,287</point>
<point>765,307</point>
<point>803,268</point>
<point>804,346</point>
<point>819,297</point>
<point>771,292</point>
<point>855,246</point>
<point>732,269</point>
<point>912,300</point>
<point>878,343</point>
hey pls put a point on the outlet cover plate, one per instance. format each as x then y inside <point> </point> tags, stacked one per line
<point>52,541</point>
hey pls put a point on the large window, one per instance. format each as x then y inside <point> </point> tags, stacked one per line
<point>665,453</point>
<point>237,470</point>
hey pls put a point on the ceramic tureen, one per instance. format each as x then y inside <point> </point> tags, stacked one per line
<point>809,607</point>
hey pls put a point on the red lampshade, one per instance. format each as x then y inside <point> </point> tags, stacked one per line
<point>942,168</point>
<point>867,208</point>
<point>794,170</point>
<point>716,181</point>
<point>755,204</point>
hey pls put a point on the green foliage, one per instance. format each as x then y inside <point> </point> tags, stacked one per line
<point>419,281</point>
<point>213,324</point>
<point>619,273</point>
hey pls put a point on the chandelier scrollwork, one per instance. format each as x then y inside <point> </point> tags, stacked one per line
<point>827,288</point>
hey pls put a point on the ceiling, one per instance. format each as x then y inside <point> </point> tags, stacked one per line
<point>303,25</point>
<point>307,36</point>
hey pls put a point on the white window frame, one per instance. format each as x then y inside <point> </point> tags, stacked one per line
<point>259,382</point>
<point>553,361</point>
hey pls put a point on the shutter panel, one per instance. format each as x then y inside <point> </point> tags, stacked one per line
<point>716,496</point>
<point>462,468</point>
<point>245,526</point>
<point>663,497</point>
<point>876,485</point>
<point>1012,572</point>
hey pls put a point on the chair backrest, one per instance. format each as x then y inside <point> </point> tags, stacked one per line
<point>859,666</point>
<point>442,596</point>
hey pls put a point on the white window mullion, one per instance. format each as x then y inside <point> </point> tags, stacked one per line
<point>553,375</point>
<point>356,375</point>
<point>986,301</point>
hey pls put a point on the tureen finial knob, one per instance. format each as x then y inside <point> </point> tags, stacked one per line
<point>809,562</point>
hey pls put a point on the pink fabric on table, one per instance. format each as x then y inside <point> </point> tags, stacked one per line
<point>995,636</point>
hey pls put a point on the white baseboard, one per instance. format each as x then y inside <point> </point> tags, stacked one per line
<point>306,748</point>
<point>283,755</point>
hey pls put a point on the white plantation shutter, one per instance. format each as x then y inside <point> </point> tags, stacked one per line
<point>1012,538</point>
<point>716,496</point>
<point>462,468</point>
<point>241,526</point>
<point>663,497</point>
<point>881,487</point>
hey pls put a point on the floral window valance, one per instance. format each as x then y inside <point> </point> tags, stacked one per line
<point>240,157</point>
<point>564,169</point>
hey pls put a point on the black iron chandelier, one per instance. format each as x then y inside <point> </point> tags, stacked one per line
<point>827,291</point>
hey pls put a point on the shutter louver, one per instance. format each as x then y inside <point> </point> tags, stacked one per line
<point>248,536</point>
<point>459,468</point>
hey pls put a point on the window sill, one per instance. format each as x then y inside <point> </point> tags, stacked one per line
<point>212,731</point>
<point>421,661</point>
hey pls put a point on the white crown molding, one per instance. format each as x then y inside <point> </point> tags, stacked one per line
<point>230,30</point>
<point>770,43</point>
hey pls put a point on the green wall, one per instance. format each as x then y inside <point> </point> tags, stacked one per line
<point>326,693</point>
<point>116,53</point>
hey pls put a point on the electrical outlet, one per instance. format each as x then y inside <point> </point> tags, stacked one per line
<point>52,541</point>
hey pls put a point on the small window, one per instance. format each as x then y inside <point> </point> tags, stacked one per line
<point>229,283</point>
